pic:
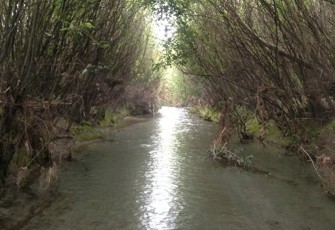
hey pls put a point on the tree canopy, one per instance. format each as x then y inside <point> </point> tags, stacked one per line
<point>68,59</point>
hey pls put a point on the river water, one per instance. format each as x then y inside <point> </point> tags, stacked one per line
<point>155,175</point>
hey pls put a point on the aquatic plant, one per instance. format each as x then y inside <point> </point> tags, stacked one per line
<point>230,157</point>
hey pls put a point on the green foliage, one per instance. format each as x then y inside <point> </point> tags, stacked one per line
<point>250,51</point>
<point>168,8</point>
<point>268,131</point>
<point>209,113</point>
<point>253,126</point>
<point>70,59</point>
<point>177,88</point>
<point>271,131</point>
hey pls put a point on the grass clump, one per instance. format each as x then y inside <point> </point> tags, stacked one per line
<point>267,131</point>
<point>86,131</point>
<point>207,113</point>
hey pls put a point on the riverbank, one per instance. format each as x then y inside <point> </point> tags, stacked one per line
<point>18,205</point>
<point>314,145</point>
<point>156,176</point>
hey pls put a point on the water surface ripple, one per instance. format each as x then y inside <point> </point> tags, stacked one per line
<point>156,176</point>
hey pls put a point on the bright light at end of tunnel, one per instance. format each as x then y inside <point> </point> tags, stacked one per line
<point>163,30</point>
<point>169,113</point>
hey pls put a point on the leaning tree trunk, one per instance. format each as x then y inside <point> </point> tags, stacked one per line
<point>225,125</point>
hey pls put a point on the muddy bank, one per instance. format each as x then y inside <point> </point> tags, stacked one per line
<point>19,203</point>
<point>22,199</point>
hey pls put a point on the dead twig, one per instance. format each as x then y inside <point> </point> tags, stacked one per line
<point>313,164</point>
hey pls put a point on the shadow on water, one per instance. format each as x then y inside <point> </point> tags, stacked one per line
<point>156,176</point>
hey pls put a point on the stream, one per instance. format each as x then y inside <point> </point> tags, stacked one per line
<point>155,175</point>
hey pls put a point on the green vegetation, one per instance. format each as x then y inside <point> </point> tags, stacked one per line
<point>249,54</point>
<point>223,154</point>
<point>207,113</point>
<point>81,60</point>
<point>73,60</point>
<point>111,118</point>
<point>256,59</point>
<point>85,132</point>
<point>177,89</point>
<point>267,132</point>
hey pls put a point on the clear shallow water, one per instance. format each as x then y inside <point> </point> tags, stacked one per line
<point>156,176</point>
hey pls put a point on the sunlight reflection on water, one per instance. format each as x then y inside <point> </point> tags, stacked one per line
<point>156,177</point>
<point>163,174</point>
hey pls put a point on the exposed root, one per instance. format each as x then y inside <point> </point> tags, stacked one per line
<point>21,176</point>
<point>48,175</point>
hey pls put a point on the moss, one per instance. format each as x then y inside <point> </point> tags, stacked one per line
<point>324,135</point>
<point>275,135</point>
<point>270,132</point>
<point>86,132</point>
<point>330,126</point>
<point>207,113</point>
<point>113,117</point>
<point>312,130</point>
<point>267,132</point>
<point>253,126</point>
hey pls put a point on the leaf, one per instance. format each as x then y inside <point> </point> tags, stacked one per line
<point>64,29</point>
<point>104,44</point>
<point>88,25</point>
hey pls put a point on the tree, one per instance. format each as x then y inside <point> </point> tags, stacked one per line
<point>64,58</point>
